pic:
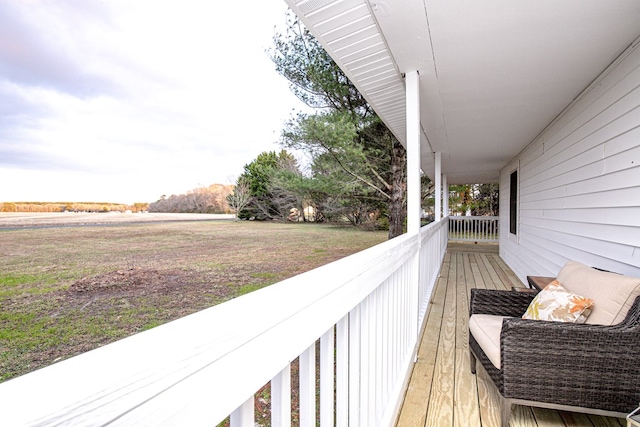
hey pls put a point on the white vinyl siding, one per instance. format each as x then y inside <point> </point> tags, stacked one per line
<point>579,182</point>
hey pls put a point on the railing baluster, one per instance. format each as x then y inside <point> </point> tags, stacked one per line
<point>281,398</point>
<point>378,385</point>
<point>366,358</point>
<point>354,366</point>
<point>308,387</point>
<point>473,228</point>
<point>244,416</point>
<point>342,372</point>
<point>326,378</point>
<point>387,311</point>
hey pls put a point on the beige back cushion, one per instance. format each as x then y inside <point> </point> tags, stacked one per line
<point>612,294</point>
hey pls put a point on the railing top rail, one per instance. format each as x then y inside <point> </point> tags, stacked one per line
<point>472,218</point>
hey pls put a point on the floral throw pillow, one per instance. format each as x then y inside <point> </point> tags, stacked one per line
<point>555,303</point>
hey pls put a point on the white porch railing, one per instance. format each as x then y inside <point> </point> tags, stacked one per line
<point>474,228</point>
<point>365,311</point>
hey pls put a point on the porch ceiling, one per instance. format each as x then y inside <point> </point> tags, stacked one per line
<point>493,74</point>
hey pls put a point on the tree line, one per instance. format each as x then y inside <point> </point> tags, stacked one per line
<point>211,199</point>
<point>71,207</point>
<point>474,199</point>
<point>273,187</point>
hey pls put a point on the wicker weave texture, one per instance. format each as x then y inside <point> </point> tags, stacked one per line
<point>588,366</point>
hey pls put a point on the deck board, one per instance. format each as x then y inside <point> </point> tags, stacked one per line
<point>440,410</point>
<point>442,392</point>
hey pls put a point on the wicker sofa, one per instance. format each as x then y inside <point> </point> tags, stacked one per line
<point>592,367</point>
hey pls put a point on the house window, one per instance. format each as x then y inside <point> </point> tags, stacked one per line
<point>513,203</point>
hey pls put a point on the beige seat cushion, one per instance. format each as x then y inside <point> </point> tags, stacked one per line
<point>486,328</point>
<point>612,294</point>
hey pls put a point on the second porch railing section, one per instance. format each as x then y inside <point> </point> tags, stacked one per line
<point>432,249</point>
<point>474,228</point>
<point>363,312</point>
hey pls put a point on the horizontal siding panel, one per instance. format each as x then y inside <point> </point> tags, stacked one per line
<point>603,83</point>
<point>579,193</point>
<point>557,250</point>
<point>591,128</point>
<point>623,142</point>
<point>543,194</point>
<point>624,197</point>
<point>629,236</point>
<point>545,253</point>
<point>625,160</point>
<point>525,262</point>
<point>563,247</point>
<point>571,170</point>
<point>542,188</point>
<point>531,213</point>
<point>626,105</point>
<point>614,216</point>
<point>530,154</point>
<point>538,261</point>
<point>546,237</point>
<point>614,128</point>
<point>602,97</point>
<point>531,221</point>
<point>626,178</point>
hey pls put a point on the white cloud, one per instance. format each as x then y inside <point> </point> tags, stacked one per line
<point>125,101</point>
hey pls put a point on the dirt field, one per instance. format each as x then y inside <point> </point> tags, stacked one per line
<point>73,282</point>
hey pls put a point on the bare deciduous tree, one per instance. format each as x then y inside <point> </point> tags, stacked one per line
<point>240,197</point>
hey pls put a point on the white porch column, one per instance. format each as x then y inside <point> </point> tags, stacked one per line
<point>438,183</point>
<point>412,82</point>
<point>445,196</point>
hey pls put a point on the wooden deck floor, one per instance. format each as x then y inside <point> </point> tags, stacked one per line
<point>442,391</point>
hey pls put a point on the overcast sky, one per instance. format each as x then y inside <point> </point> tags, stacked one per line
<point>124,101</point>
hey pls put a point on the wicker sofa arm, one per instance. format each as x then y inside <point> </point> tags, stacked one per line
<point>499,303</point>
<point>543,360</point>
